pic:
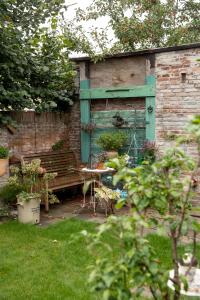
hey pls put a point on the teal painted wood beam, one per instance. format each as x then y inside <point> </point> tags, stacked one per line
<point>85,84</point>
<point>150,107</point>
<point>85,119</point>
<point>125,92</point>
<point>150,118</point>
<point>150,80</point>
<point>85,137</point>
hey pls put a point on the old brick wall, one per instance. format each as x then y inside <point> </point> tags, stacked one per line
<point>74,127</point>
<point>38,132</point>
<point>177,94</point>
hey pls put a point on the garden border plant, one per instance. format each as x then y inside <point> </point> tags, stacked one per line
<point>35,182</point>
<point>166,186</point>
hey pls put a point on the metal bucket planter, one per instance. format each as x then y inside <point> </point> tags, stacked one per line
<point>3,166</point>
<point>29,210</point>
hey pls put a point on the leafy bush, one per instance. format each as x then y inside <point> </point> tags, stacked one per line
<point>149,150</point>
<point>112,141</point>
<point>164,186</point>
<point>4,152</point>
<point>58,145</point>
<point>9,192</point>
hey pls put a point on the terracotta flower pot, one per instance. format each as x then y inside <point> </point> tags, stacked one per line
<point>3,166</point>
<point>111,154</point>
<point>100,166</point>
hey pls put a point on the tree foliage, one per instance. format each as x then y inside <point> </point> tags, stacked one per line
<point>142,24</point>
<point>166,187</point>
<point>34,67</point>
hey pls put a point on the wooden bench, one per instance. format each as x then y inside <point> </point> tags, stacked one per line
<point>64,163</point>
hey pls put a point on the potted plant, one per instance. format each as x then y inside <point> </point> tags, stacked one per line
<point>106,197</point>
<point>28,201</point>
<point>4,153</point>
<point>35,181</point>
<point>112,142</point>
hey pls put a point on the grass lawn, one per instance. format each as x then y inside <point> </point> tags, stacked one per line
<point>42,263</point>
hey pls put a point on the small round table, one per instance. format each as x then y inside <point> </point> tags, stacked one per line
<point>94,182</point>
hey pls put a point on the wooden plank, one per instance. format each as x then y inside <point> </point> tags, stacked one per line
<point>150,118</point>
<point>128,92</point>
<point>123,113</point>
<point>85,84</point>
<point>85,137</point>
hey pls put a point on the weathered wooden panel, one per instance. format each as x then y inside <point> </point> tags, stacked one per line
<point>118,72</point>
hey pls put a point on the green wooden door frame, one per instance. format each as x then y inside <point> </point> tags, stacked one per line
<point>146,91</point>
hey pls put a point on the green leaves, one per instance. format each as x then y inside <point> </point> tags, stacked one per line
<point>35,71</point>
<point>162,189</point>
<point>137,24</point>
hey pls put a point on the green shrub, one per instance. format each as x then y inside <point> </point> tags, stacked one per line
<point>58,145</point>
<point>9,192</point>
<point>112,141</point>
<point>4,152</point>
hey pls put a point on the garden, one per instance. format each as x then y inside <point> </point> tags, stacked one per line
<point>68,133</point>
<point>139,255</point>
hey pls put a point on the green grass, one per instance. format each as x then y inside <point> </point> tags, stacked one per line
<point>42,264</point>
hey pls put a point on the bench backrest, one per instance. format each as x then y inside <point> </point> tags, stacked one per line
<point>62,162</point>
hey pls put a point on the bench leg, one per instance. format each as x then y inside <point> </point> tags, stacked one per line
<point>47,198</point>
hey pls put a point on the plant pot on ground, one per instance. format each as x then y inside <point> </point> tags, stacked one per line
<point>112,142</point>
<point>28,201</point>
<point>32,176</point>
<point>4,153</point>
<point>28,206</point>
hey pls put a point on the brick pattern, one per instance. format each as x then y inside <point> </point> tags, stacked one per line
<point>74,127</point>
<point>38,132</point>
<point>177,95</point>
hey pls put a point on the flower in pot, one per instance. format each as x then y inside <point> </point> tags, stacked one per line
<point>112,142</point>
<point>107,198</point>
<point>4,153</point>
<point>28,200</point>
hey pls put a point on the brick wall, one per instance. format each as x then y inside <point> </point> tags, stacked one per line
<point>177,92</point>
<point>74,126</point>
<point>177,95</point>
<point>38,132</point>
